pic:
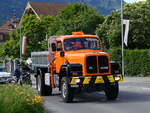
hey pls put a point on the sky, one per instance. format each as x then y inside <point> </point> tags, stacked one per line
<point>131,1</point>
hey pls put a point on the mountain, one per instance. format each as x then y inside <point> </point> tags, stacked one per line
<point>7,7</point>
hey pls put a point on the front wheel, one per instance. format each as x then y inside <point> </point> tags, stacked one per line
<point>66,90</point>
<point>111,91</point>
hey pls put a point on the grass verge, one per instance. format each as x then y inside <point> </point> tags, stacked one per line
<point>19,99</point>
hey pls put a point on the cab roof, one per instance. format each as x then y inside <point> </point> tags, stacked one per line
<point>74,35</point>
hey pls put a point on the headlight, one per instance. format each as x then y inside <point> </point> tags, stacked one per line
<point>117,78</point>
<point>77,80</point>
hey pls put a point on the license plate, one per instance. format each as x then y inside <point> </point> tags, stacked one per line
<point>74,86</point>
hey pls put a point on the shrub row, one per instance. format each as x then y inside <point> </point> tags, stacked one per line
<point>136,62</point>
<point>19,99</point>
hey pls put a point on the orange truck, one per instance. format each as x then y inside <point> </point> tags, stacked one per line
<point>76,63</point>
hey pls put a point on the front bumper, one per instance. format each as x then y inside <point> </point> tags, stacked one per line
<point>83,80</point>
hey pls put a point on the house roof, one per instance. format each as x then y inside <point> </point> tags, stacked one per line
<point>46,8</point>
<point>43,8</point>
<point>7,26</point>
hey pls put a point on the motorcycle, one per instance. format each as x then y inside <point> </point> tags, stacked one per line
<point>25,78</point>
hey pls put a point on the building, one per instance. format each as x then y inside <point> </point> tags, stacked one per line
<point>8,26</point>
<point>43,9</point>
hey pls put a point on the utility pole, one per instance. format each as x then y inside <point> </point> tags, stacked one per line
<point>122,37</point>
<point>20,44</point>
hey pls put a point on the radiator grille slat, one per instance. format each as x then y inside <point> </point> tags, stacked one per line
<point>92,64</point>
<point>103,64</point>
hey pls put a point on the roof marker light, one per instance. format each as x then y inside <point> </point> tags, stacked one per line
<point>77,33</point>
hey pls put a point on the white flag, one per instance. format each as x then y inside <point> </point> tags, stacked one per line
<point>24,45</point>
<point>126,22</point>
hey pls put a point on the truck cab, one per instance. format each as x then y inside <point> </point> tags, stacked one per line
<point>78,63</point>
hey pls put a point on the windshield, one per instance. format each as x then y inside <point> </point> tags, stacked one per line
<point>81,43</point>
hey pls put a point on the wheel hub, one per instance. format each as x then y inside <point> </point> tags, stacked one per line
<point>39,84</point>
<point>64,90</point>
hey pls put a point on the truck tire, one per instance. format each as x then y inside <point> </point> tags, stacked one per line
<point>111,91</point>
<point>66,90</point>
<point>43,89</point>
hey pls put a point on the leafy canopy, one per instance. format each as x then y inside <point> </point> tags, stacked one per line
<point>76,17</point>
<point>138,37</point>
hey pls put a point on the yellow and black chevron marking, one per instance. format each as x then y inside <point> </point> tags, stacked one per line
<point>94,79</point>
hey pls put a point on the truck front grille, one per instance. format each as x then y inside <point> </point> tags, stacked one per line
<point>91,64</point>
<point>94,66</point>
<point>103,64</point>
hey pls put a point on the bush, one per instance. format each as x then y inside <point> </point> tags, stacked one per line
<point>19,99</point>
<point>115,54</point>
<point>136,61</point>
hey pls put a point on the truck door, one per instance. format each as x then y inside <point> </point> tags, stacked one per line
<point>58,59</point>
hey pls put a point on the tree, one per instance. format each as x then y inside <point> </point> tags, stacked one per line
<point>35,30</point>
<point>11,47</point>
<point>76,17</point>
<point>139,17</point>
<point>109,31</point>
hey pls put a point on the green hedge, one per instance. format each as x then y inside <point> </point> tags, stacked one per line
<point>137,62</point>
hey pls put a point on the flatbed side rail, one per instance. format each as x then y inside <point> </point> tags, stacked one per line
<point>39,59</point>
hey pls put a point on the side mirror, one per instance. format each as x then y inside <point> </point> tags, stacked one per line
<point>53,47</point>
<point>62,53</point>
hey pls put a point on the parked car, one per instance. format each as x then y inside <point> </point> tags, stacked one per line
<point>5,77</point>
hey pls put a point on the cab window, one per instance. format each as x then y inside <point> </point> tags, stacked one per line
<point>59,46</point>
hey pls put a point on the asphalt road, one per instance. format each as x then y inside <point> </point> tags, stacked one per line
<point>134,97</point>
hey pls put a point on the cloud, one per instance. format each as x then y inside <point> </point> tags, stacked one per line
<point>132,1</point>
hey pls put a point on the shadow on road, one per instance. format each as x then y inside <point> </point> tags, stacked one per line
<point>124,97</point>
<point>90,97</point>
<point>96,97</point>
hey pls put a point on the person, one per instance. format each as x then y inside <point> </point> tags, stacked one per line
<point>77,44</point>
<point>24,67</point>
<point>17,73</point>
